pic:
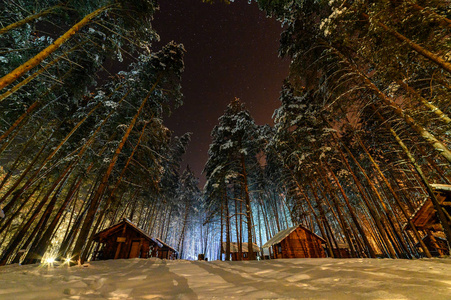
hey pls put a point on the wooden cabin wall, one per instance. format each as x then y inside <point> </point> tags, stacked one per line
<point>344,253</point>
<point>299,244</point>
<point>117,250</point>
<point>236,256</point>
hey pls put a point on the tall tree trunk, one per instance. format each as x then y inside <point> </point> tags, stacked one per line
<point>13,167</point>
<point>24,173</point>
<point>383,233</point>
<point>341,219</point>
<point>78,248</point>
<point>362,233</point>
<point>435,202</point>
<point>414,46</point>
<point>221,245</point>
<point>36,74</point>
<point>398,201</point>
<point>420,130</point>
<point>50,156</point>
<point>248,209</point>
<point>227,224</point>
<point>434,109</point>
<point>18,210</point>
<point>37,59</point>
<point>237,227</point>
<point>30,18</point>
<point>19,236</point>
<point>41,243</point>
<point>374,215</point>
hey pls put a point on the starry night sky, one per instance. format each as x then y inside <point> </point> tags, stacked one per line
<point>231,52</point>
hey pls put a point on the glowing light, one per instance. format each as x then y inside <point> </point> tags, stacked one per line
<point>68,260</point>
<point>50,260</point>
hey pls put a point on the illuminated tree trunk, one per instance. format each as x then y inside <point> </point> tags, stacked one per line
<point>36,60</point>
<point>47,159</point>
<point>118,182</point>
<point>237,227</point>
<point>41,243</point>
<point>19,157</point>
<point>383,233</point>
<point>72,234</point>
<point>374,215</point>
<point>442,217</point>
<point>19,121</point>
<point>22,176</point>
<point>248,209</point>
<point>227,224</point>
<point>341,220</point>
<point>18,210</point>
<point>19,236</point>
<point>338,218</point>
<point>395,108</point>
<point>398,201</point>
<point>434,109</point>
<point>78,248</point>
<point>29,19</point>
<point>414,46</point>
<point>34,76</point>
<point>352,214</point>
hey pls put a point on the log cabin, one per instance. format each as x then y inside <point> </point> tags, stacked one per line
<point>126,240</point>
<point>235,254</point>
<point>342,251</point>
<point>436,243</point>
<point>425,219</point>
<point>296,242</point>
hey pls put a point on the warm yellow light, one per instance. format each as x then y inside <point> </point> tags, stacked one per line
<point>50,260</point>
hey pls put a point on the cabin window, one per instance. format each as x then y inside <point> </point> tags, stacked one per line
<point>245,255</point>
<point>279,249</point>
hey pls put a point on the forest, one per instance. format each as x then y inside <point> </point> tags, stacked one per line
<point>359,142</point>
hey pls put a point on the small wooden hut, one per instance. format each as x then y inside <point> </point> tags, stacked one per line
<point>342,251</point>
<point>425,218</point>
<point>244,250</point>
<point>436,243</point>
<point>126,240</point>
<point>296,242</point>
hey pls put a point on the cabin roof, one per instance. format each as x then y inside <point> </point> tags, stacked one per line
<point>441,187</point>
<point>161,244</point>
<point>244,247</point>
<point>278,237</point>
<point>113,228</point>
<point>425,212</point>
<point>437,234</point>
<point>126,221</point>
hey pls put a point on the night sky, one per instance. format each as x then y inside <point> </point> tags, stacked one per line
<point>231,52</point>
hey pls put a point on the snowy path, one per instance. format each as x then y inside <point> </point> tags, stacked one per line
<point>275,279</point>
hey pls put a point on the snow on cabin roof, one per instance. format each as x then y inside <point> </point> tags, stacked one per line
<point>441,187</point>
<point>159,242</point>
<point>439,235</point>
<point>244,247</point>
<point>284,233</point>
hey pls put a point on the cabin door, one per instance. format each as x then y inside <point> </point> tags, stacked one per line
<point>134,251</point>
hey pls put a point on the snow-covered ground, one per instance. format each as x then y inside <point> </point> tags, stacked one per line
<point>275,279</point>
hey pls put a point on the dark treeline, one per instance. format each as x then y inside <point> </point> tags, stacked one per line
<point>361,133</point>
